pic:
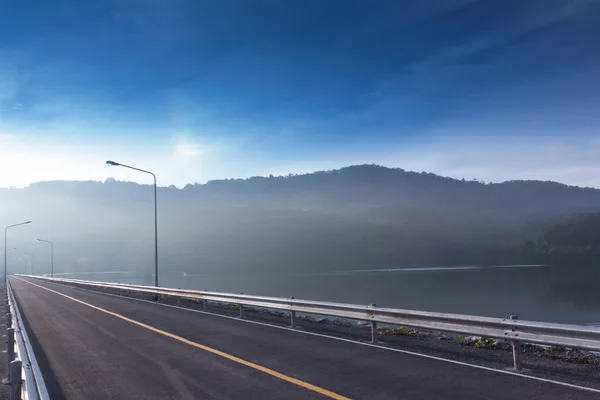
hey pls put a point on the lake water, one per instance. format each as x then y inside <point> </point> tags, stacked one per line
<point>543,293</point>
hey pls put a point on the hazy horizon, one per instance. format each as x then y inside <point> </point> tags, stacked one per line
<point>284,175</point>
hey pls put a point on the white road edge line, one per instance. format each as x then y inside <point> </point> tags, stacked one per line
<point>589,389</point>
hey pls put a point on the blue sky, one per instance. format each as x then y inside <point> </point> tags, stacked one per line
<point>199,90</point>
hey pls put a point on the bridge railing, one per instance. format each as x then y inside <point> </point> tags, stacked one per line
<point>24,375</point>
<point>511,329</point>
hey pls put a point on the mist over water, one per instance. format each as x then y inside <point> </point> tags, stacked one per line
<point>564,294</point>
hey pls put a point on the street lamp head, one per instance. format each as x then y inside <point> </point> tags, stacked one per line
<point>112,163</point>
<point>27,222</point>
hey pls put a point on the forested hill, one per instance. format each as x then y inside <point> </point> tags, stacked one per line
<point>574,240</point>
<point>353,218</point>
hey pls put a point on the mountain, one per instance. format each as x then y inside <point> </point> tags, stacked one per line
<point>358,217</point>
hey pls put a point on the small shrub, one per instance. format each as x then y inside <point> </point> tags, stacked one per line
<point>484,342</point>
<point>552,351</point>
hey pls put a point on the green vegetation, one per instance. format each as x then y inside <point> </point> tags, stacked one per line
<point>575,240</point>
<point>402,330</point>
<point>484,342</point>
<point>553,350</point>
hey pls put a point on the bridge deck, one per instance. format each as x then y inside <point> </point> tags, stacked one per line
<point>95,346</point>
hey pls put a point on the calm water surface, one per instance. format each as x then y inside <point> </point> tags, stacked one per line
<point>544,293</point>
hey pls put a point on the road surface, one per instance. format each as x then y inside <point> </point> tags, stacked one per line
<point>96,346</point>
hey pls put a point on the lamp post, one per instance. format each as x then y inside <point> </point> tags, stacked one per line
<point>51,256</point>
<point>116,164</point>
<point>5,233</point>
<point>31,267</point>
<point>11,257</point>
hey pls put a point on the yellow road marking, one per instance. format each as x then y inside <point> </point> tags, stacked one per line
<point>269,371</point>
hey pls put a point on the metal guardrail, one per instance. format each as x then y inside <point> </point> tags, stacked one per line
<point>24,375</point>
<point>511,329</point>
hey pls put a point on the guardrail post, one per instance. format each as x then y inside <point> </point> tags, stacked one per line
<point>8,320</point>
<point>292,314</point>
<point>373,328</point>
<point>10,346</point>
<point>15,379</point>
<point>204,301</point>
<point>516,348</point>
<point>241,308</point>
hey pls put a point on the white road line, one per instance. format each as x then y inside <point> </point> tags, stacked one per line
<point>570,385</point>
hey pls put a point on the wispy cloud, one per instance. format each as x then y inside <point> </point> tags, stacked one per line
<point>9,78</point>
<point>186,149</point>
<point>570,162</point>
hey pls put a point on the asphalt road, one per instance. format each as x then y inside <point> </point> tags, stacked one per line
<point>95,346</point>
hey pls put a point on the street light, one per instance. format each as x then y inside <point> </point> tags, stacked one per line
<point>51,256</point>
<point>29,254</point>
<point>116,164</point>
<point>9,256</point>
<point>5,232</point>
